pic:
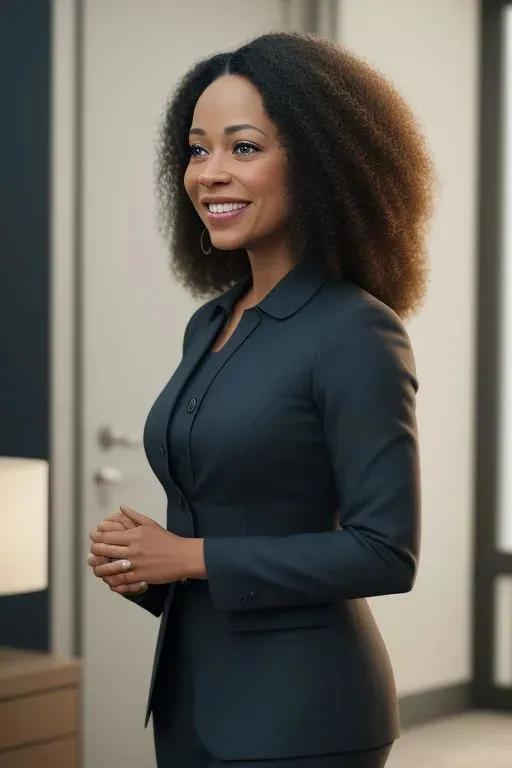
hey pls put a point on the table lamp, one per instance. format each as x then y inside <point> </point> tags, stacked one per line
<point>40,694</point>
<point>23,525</point>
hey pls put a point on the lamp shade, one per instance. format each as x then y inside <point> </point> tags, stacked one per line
<point>23,525</point>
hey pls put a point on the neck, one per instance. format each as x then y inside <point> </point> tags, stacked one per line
<point>268,268</point>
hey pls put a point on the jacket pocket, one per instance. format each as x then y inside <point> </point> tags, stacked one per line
<point>295,617</point>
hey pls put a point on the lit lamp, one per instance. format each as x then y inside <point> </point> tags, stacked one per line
<point>24,525</point>
<point>39,693</point>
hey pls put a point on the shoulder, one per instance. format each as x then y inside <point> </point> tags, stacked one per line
<point>347,303</point>
<point>201,316</point>
<point>202,313</point>
<point>353,314</point>
<point>362,339</point>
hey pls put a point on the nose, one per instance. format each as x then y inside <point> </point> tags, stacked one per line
<point>213,173</point>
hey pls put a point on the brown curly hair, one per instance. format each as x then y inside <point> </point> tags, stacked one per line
<point>359,173</point>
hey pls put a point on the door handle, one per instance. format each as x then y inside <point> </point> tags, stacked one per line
<point>108,476</point>
<point>108,437</point>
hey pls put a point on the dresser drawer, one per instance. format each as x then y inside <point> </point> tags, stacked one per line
<point>56,754</point>
<point>38,717</point>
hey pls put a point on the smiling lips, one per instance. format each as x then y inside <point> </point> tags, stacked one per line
<point>225,211</point>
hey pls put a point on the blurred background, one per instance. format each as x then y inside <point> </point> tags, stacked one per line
<point>87,304</point>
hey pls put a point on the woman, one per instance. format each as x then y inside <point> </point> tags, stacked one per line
<point>294,181</point>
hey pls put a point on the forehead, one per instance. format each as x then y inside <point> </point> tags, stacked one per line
<point>230,100</point>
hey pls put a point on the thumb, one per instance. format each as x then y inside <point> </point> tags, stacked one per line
<point>136,517</point>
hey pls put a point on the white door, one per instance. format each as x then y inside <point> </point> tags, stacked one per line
<point>133,314</point>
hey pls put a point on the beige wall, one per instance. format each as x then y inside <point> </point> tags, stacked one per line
<point>429,49</point>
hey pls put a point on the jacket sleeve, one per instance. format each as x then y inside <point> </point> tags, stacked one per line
<point>364,386</point>
<point>153,600</point>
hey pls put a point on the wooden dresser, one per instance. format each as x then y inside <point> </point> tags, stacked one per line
<point>39,710</point>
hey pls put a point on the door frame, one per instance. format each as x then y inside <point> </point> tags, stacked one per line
<point>489,562</point>
<point>66,557</point>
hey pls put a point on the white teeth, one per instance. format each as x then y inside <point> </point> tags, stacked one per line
<point>225,207</point>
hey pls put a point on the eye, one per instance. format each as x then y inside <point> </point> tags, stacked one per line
<point>196,150</point>
<point>246,148</point>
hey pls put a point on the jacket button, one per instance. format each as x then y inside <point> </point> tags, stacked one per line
<point>255,598</point>
<point>243,600</point>
<point>162,451</point>
<point>180,501</point>
<point>192,405</point>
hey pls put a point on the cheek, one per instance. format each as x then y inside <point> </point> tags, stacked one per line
<point>190,183</point>
<point>269,187</point>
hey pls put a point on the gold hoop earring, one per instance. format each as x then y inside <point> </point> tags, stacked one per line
<point>206,251</point>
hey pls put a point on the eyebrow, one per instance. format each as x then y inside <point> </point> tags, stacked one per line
<point>229,129</point>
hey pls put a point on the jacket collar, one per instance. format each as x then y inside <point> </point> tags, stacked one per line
<point>290,294</point>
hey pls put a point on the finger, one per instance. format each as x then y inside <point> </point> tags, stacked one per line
<point>121,537</point>
<point>94,560</point>
<point>136,517</point>
<point>110,525</point>
<point>131,589</point>
<point>120,517</point>
<point>110,569</point>
<point>117,580</point>
<point>110,550</point>
<point>129,578</point>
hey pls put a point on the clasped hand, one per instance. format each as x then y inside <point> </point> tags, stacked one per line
<point>131,550</point>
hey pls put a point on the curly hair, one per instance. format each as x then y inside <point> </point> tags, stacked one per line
<point>359,175</point>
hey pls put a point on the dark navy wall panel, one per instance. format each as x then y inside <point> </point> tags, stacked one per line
<point>24,267</point>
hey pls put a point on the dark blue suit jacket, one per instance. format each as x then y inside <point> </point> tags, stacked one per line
<point>317,426</point>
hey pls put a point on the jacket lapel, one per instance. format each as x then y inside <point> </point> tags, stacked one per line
<point>155,430</point>
<point>199,346</point>
<point>200,343</point>
<point>248,323</point>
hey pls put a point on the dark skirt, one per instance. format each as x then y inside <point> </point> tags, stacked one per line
<point>177,744</point>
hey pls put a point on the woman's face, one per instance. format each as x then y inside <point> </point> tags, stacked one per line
<point>236,173</point>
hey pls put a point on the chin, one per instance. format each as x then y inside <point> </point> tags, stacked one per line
<point>228,243</point>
